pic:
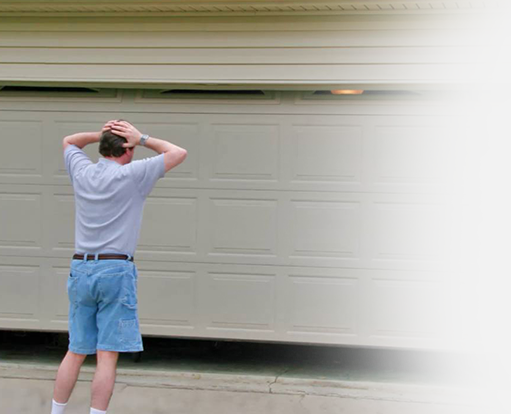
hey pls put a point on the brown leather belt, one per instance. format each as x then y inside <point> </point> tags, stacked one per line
<point>104,257</point>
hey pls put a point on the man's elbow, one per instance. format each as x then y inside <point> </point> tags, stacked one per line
<point>65,142</point>
<point>181,154</point>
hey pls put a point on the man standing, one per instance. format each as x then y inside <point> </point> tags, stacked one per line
<point>102,284</point>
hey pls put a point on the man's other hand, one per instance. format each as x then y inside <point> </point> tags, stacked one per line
<point>128,131</point>
<point>108,125</point>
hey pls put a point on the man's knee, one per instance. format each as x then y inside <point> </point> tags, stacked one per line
<point>107,357</point>
<point>74,355</point>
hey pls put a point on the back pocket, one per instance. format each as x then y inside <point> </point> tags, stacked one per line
<point>114,287</point>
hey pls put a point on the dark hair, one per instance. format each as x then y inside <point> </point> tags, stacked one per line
<point>110,144</point>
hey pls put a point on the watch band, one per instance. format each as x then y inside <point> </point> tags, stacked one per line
<point>143,139</point>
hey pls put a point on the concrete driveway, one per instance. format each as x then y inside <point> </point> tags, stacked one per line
<point>197,376</point>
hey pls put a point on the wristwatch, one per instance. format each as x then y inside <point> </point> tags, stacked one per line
<point>143,139</point>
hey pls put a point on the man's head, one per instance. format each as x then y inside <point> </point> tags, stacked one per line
<point>110,146</point>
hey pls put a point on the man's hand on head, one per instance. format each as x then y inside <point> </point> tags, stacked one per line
<point>108,125</point>
<point>128,131</point>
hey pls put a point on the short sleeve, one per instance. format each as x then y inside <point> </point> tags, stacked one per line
<point>75,159</point>
<point>147,171</point>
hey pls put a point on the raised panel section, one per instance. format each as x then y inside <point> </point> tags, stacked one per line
<point>22,286</point>
<point>245,152</point>
<point>409,231</point>
<point>62,222</point>
<point>330,153</point>
<point>21,221</point>
<point>323,228</point>
<point>410,154</point>
<point>61,298</point>
<point>169,225</point>
<point>323,304</point>
<point>240,301</point>
<point>240,226</point>
<point>22,148</point>
<point>408,306</point>
<point>167,298</point>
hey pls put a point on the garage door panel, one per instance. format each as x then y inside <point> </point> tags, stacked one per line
<point>409,306</point>
<point>59,310</point>
<point>22,162</point>
<point>242,301</point>
<point>290,223</point>
<point>410,151</point>
<point>323,304</point>
<point>312,153</point>
<point>61,222</point>
<point>322,228</point>
<point>242,226</point>
<point>168,298</point>
<point>244,151</point>
<point>22,284</point>
<point>21,218</point>
<point>169,225</point>
<point>343,230</point>
<point>326,153</point>
<point>285,303</point>
<point>409,231</point>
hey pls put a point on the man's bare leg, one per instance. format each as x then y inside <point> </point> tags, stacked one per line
<point>104,379</point>
<point>67,375</point>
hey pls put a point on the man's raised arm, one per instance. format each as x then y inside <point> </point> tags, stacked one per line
<point>173,155</point>
<point>82,139</point>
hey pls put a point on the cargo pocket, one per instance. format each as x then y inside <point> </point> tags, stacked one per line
<point>129,332</point>
<point>129,299</point>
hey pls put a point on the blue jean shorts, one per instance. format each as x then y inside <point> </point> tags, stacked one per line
<point>103,306</point>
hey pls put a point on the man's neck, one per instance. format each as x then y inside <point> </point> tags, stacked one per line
<point>117,160</point>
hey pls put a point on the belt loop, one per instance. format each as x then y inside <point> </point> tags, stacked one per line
<point>96,258</point>
<point>85,257</point>
<point>129,257</point>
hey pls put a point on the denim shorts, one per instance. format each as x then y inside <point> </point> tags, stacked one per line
<point>103,306</point>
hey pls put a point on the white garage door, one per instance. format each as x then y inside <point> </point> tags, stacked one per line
<point>296,217</point>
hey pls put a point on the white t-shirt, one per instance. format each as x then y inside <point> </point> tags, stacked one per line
<point>109,200</point>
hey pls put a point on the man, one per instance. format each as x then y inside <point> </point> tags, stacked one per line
<point>102,284</point>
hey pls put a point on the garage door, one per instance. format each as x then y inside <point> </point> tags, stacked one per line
<point>297,216</point>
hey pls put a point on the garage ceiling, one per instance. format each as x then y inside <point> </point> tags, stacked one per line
<point>240,7</point>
